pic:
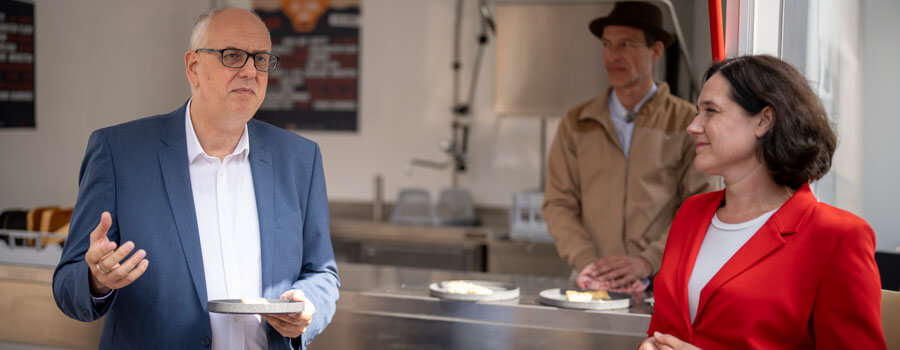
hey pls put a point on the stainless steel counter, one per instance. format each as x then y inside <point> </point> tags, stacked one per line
<point>358,238</point>
<point>384,307</point>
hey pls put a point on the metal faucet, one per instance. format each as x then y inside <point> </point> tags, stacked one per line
<point>458,157</point>
<point>378,199</point>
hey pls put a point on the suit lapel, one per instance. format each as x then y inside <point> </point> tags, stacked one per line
<point>263,177</point>
<point>764,242</point>
<point>177,179</point>
<point>689,253</point>
<point>767,240</point>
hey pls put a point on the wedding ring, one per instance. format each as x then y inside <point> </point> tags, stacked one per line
<point>100,270</point>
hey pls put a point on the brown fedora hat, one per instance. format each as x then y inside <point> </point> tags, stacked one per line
<point>636,14</point>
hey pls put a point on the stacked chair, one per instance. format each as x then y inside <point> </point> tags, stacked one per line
<point>50,219</point>
<point>13,219</point>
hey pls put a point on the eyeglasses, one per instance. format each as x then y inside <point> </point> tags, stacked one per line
<point>237,58</point>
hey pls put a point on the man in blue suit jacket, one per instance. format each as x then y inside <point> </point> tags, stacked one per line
<point>148,183</point>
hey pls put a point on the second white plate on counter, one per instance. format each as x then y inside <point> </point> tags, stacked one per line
<point>500,291</point>
<point>556,297</point>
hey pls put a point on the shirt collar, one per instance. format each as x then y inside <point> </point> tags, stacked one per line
<point>617,110</point>
<point>194,148</point>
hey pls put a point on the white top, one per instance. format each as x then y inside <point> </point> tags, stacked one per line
<point>617,113</point>
<point>225,204</point>
<point>721,242</point>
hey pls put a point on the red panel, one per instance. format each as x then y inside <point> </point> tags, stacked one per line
<point>716,36</point>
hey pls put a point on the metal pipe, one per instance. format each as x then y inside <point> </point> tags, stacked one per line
<point>543,154</point>
<point>378,199</point>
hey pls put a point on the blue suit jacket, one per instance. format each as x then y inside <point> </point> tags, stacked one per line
<point>138,171</point>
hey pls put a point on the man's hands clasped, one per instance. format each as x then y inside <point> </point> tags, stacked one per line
<point>618,273</point>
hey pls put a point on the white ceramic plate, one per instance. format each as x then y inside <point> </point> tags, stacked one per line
<point>557,297</point>
<point>235,306</point>
<point>501,291</point>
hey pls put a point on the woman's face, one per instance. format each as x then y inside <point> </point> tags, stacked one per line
<point>726,134</point>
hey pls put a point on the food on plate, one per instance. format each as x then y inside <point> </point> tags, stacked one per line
<point>254,301</point>
<point>586,296</point>
<point>463,287</point>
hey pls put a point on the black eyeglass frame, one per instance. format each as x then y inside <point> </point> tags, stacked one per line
<point>221,53</point>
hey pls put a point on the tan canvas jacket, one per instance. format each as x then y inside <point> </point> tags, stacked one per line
<point>598,203</point>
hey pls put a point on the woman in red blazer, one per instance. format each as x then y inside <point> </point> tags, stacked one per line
<point>762,264</point>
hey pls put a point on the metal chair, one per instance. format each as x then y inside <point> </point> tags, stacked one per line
<point>51,221</point>
<point>13,219</point>
<point>33,222</point>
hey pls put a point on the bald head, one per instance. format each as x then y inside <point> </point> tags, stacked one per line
<point>226,96</point>
<point>200,33</point>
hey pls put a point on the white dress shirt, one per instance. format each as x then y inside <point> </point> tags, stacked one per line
<point>225,204</point>
<point>719,245</point>
<point>617,113</point>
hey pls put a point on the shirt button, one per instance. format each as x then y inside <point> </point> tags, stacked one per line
<point>204,341</point>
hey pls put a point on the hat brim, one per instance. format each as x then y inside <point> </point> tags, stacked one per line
<point>598,24</point>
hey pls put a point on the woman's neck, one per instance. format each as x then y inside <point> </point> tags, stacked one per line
<point>751,196</point>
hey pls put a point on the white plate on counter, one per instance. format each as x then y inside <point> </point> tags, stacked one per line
<point>557,297</point>
<point>499,291</point>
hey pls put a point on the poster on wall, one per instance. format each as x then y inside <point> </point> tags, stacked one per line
<point>16,64</point>
<point>315,86</point>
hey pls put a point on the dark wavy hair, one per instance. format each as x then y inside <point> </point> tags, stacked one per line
<point>799,146</point>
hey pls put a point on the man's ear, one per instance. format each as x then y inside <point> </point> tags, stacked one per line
<point>191,64</point>
<point>766,121</point>
<point>657,50</point>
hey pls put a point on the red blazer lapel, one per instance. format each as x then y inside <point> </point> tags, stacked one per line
<point>767,240</point>
<point>689,252</point>
<point>763,243</point>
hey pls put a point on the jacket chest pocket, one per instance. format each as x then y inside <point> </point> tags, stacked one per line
<point>289,239</point>
<point>293,218</point>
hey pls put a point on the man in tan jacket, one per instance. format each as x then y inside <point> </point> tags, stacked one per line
<point>622,163</point>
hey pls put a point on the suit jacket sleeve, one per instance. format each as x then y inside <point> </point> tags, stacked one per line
<point>318,277</point>
<point>562,201</point>
<point>847,312</point>
<point>96,194</point>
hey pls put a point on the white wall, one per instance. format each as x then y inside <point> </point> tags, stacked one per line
<point>405,108</point>
<point>881,125</point>
<point>406,95</point>
<point>103,62</point>
<point>98,63</point>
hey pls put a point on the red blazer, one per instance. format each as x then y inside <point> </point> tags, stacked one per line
<point>807,279</point>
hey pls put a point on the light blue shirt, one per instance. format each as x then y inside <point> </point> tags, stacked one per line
<point>617,113</point>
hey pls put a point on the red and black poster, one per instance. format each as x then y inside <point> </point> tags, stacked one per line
<point>16,64</point>
<point>315,86</point>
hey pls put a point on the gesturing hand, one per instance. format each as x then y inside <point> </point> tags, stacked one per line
<point>107,270</point>
<point>292,325</point>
